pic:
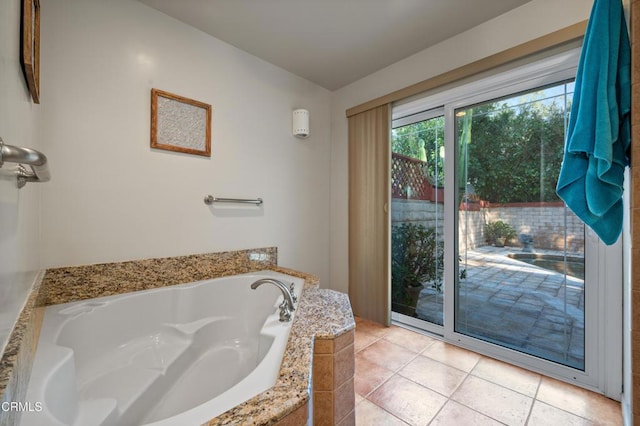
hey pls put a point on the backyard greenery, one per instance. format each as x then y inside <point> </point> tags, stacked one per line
<point>417,256</point>
<point>499,233</point>
<point>512,152</point>
<point>407,140</point>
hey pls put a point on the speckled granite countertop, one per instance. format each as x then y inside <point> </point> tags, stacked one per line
<point>321,313</point>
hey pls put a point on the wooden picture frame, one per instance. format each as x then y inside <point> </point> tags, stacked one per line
<point>30,46</point>
<point>180,124</point>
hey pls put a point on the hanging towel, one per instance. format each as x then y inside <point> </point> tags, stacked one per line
<point>596,152</point>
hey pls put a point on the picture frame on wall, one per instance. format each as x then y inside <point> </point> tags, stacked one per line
<point>30,46</point>
<point>180,124</point>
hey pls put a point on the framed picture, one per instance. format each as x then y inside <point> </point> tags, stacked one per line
<point>30,40</point>
<point>180,124</point>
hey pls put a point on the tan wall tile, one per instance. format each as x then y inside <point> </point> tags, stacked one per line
<point>345,401</point>
<point>323,346</point>
<point>343,366</point>
<point>323,408</point>
<point>322,372</point>
<point>298,418</point>
<point>344,340</point>
<point>349,420</point>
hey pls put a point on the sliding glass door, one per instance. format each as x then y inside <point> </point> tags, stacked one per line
<point>483,251</point>
<point>521,251</point>
<point>417,218</point>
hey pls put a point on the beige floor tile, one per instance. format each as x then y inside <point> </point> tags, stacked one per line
<point>408,401</point>
<point>369,414</point>
<point>434,375</point>
<point>454,414</point>
<point>507,375</point>
<point>387,354</point>
<point>493,393</point>
<point>369,376</point>
<point>370,327</point>
<point>543,415</point>
<point>408,339</point>
<point>454,356</point>
<point>581,402</point>
<point>497,402</point>
<point>363,339</point>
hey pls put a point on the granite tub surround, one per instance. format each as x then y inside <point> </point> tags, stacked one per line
<point>68,284</point>
<point>324,317</point>
<point>17,357</point>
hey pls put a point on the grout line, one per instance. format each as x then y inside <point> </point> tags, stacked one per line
<point>438,412</point>
<point>376,338</point>
<point>475,411</point>
<point>589,421</point>
<point>388,412</point>
<point>377,387</point>
<point>533,402</point>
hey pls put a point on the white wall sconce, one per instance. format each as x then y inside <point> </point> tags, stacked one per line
<point>300,126</point>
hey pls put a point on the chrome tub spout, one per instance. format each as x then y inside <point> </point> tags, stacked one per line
<point>287,304</point>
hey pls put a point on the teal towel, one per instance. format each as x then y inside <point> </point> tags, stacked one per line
<point>595,156</point>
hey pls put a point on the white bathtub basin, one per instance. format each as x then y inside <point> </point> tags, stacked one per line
<point>171,356</point>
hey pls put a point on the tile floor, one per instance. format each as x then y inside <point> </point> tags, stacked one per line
<point>406,378</point>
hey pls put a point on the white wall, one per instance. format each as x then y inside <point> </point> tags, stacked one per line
<point>112,198</point>
<point>532,20</point>
<point>19,125</point>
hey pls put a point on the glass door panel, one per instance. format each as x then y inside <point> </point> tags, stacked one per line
<point>417,213</point>
<point>520,280</point>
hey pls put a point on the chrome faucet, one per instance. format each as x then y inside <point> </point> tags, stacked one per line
<point>286,307</point>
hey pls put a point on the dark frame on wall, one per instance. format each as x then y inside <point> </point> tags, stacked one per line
<point>30,46</point>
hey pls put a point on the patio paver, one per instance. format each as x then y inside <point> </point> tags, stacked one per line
<point>518,305</point>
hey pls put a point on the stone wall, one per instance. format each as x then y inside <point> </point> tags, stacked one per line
<point>545,222</point>
<point>418,212</point>
<point>471,229</point>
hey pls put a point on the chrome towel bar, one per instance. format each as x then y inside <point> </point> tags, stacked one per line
<point>35,159</point>
<point>210,199</point>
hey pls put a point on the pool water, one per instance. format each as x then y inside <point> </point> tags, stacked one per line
<point>574,265</point>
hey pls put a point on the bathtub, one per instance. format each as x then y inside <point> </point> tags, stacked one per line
<point>171,356</point>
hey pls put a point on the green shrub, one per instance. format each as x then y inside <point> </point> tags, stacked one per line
<point>417,256</point>
<point>499,229</point>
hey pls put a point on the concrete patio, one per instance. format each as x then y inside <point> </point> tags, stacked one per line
<point>518,305</point>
